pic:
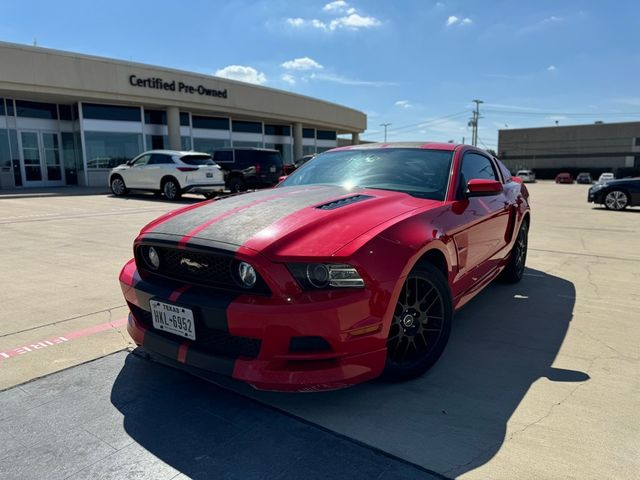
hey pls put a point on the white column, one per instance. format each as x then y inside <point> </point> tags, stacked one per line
<point>355,138</point>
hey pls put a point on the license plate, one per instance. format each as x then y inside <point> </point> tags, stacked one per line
<point>173,319</point>
<point>272,169</point>
<point>209,174</point>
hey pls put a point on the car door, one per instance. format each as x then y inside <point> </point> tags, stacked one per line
<point>159,165</point>
<point>135,174</point>
<point>481,240</point>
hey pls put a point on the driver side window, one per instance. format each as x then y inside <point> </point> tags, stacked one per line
<point>142,161</point>
<point>475,166</point>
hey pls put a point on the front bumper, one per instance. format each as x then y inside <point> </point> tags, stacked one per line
<point>251,338</point>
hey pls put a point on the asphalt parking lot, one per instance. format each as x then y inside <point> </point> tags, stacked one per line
<point>540,379</point>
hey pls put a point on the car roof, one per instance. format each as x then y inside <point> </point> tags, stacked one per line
<point>416,145</point>
<point>179,153</point>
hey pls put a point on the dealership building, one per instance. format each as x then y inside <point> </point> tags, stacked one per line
<point>594,148</point>
<point>67,119</point>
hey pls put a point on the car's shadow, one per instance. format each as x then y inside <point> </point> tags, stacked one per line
<point>451,420</point>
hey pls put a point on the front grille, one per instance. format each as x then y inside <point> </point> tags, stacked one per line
<point>214,342</point>
<point>208,269</point>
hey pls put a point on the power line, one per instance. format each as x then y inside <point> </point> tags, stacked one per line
<point>429,122</point>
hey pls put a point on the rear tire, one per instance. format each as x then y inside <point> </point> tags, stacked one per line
<point>421,324</point>
<point>118,187</point>
<point>616,200</point>
<point>171,189</point>
<point>514,270</point>
<point>237,184</point>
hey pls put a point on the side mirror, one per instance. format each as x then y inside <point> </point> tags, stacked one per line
<point>282,178</point>
<point>479,187</point>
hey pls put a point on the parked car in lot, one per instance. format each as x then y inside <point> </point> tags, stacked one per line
<point>605,177</point>
<point>564,178</point>
<point>527,176</point>
<point>169,172</point>
<point>351,268</point>
<point>250,167</point>
<point>584,178</point>
<point>288,169</point>
<point>616,194</point>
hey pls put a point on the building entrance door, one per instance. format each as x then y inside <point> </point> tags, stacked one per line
<point>41,162</point>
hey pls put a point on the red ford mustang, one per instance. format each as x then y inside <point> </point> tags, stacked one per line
<point>351,268</point>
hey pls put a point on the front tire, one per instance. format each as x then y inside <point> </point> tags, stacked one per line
<point>421,324</point>
<point>171,189</point>
<point>616,200</point>
<point>237,184</point>
<point>118,187</point>
<point>514,270</point>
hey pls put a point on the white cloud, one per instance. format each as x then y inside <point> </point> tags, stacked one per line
<point>242,73</point>
<point>542,24</point>
<point>439,4</point>
<point>303,63</point>
<point>288,78</point>
<point>337,6</point>
<point>551,68</point>
<point>295,22</point>
<point>349,19</point>
<point>453,20</point>
<point>403,104</point>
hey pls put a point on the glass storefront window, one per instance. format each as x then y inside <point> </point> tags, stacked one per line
<point>72,158</point>
<point>109,149</point>
<point>65,112</point>
<point>184,119</point>
<point>308,133</point>
<point>279,130</point>
<point>285,149</point>
<point>211,123</point>
<point>186,142</point>
<point>36,109</point>
<point>155,117</point>
<point>13,141</point>
<point>246,127</point>
<point>9,104</point>
<point>209,145</point>
<point>308,150</point>
<point>5,152</point>
<point>237,144</point>
<point>110,112</point>
<point>1,106</point>
<point>326,135</point>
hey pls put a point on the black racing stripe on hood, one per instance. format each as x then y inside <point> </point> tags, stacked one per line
<point>240,227</point>
<point>185,222</point>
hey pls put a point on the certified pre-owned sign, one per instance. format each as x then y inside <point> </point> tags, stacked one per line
<point>173,86</point>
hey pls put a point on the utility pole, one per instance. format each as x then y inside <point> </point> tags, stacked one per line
<point>385,125</point>
<point>474,122</point>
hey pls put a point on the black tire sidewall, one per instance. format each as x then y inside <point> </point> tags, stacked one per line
<point>510,274</point>
<point>396,372</point>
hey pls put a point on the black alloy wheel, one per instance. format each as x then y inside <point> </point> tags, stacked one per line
<point>514,270</point>
<point>237,184</point>
<point>421,324</point>
<point>171,189</point>
<point>118,187</point>
<point>616,200</point>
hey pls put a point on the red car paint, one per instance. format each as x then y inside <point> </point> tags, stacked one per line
<point>564,178</point>
<point>383,238</point>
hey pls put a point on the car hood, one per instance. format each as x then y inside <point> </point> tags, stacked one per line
<point>285,221</point>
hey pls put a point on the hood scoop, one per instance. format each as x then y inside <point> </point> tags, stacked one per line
<point>342,202</point>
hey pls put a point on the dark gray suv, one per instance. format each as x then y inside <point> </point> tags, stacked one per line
<point>250,167</point>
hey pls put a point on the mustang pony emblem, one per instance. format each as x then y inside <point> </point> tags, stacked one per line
<point>192,263</point>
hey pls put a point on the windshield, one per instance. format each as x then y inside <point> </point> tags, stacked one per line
<point>197,160</point>
<point>421,173</point>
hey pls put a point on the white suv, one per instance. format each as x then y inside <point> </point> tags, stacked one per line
<point>526,176</point>
<point>169,172</point>
<point>605,177</point>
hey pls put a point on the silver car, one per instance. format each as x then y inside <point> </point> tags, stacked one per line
<point>169,172</point>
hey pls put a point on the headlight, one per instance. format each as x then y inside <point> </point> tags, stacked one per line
<point>247,275</point>
<point>312,276</point>
<point>153,258</point>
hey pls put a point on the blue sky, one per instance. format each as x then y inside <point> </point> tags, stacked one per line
<point>416,64</point>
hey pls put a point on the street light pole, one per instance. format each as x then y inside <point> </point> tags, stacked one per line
<point>385,125</point>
